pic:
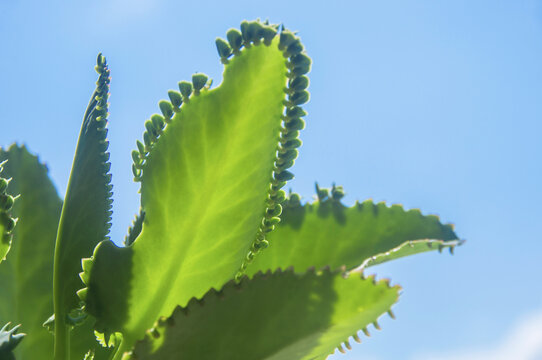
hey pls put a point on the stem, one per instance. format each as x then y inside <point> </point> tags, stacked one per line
<point>120,350</point>
<point>62,331</point>
<point>62,340</point>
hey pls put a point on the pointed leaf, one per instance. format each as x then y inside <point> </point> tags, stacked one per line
<point>86,212</point>
<point>329,233</point>
<point>208,180</point>
<point>279,316</point>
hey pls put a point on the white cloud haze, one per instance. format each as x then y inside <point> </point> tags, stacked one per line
<point>523,342</point>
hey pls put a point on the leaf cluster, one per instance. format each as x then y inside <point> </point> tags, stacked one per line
<point>220,262</point>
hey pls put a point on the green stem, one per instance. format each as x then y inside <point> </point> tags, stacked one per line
<point>62,340</point>
<point>62,331</point>
<point>120,350</point>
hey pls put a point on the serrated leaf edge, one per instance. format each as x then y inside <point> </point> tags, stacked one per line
<point>238,285</point>
<point>298,64</point>
<point>97,110</point>
<point>335,195</point>
<point>6,204</point>
<point>345,346</point>
<point>135,229</point>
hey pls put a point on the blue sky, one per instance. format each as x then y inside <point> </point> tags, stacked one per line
<point>434,105</point>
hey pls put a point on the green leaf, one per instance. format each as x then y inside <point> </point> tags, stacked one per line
<point>86,215</point>
<point>9,339</point>
<point>327,233</point>
<point>26,276</point>
<point>135,229</point>
<point>83,337</point>
<point>210,176</point>
<point>7,222</point>
<point>279,316</point>
<point>5,240</point>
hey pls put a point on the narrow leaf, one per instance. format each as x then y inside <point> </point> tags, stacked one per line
<point>85,218</point>
<point>278,316</point>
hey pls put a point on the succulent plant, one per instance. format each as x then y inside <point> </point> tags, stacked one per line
<point>220,263</point>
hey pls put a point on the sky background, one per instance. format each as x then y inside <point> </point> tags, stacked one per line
<point>434,105</point>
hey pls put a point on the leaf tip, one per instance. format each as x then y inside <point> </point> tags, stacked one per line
<point>391,314</point>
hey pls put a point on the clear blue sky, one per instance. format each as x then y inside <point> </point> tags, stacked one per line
<point>435,105</point>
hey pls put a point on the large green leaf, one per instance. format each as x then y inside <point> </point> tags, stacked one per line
<point>329,233</point>
<point>210,183</point>
<point>86,215</point>
<point>278,316</point>
<point>26,276</point>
